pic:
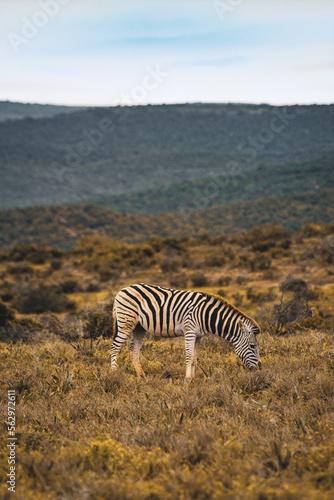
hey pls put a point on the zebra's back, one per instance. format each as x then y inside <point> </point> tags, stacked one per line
<point>159,310</point>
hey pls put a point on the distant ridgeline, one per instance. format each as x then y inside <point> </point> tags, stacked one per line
<point>226,189</point>
<point>63,155</point>
<point>62,226</point>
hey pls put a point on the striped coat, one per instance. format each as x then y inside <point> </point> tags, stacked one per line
<point>169,313</point>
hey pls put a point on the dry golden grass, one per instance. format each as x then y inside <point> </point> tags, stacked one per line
<point>86,432</point>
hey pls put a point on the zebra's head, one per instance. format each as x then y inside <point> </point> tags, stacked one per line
<point>246,346</point>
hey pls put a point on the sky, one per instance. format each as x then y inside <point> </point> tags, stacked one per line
<point>104,53</point>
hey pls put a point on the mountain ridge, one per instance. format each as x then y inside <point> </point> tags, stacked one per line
<point>98,152</point>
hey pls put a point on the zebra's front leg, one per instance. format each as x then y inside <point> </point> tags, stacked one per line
<point>194,360</point>
<point>137,342</point>
<point>190,341</point>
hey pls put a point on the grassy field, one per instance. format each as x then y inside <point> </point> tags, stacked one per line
<point>86,432</point>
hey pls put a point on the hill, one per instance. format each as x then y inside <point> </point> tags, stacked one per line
<point>86,155</point>
<point>64,225</point>
<point>223,190</point>
<point>18,110</point>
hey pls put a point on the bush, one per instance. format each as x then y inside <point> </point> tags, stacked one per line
<point>69,286</point>
<point>325,251</point>
<point>199,279</point>
<point>295,285</point>
<point>99,321</point>
<point>36,299</point>
<point>294,309</point>
<point>6,296</point>
<point>6,314</point>
<point>224,280</point>
<point>240,280</point>
<point>20,268</point>
<point>105,255</point>
<point>32,253</point>
<point>259,262</point>
<point>215,261</point>
<point>311,230</point>
<point>170,261</point>
<point>56,264</point>
<point>179,281</point>
<point>92,287</point>
<point>237,299</point>
<point>263,238</point>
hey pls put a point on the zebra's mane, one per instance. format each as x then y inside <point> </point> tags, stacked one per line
<point>227,303</point>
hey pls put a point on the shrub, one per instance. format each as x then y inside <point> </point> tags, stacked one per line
<point>6,296</point>
<point>240,280</point>
<point>32,253</point>
<point>268,275</point>
<point>170,261</point>
<point>259,262</point>
<point>56,264</point>
<point>6,314</point>
<point>295,285</point>
<point>105,255</point>
<point>99,321</point>
<point>262,238</point>
<point>69,286</point>
<point>237,299</point>
<point>224,280</point>
<point>36,299</point>
<point>69,329</point>
<point>179,281</point>
<point>325,251</point>
<point>215,261</point>
<point>199,279</point>
<point>310,230</point>
<point>159,244</point>
<point>20,268</point>
<point>92,287</point>
<point>293,309</point>
<point>106,274</point>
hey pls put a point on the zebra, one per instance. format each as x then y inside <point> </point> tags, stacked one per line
<point>169,313</point>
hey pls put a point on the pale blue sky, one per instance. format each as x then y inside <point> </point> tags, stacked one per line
<point>105,52</point>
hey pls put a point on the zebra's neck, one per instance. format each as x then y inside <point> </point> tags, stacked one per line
<point>221,318</point>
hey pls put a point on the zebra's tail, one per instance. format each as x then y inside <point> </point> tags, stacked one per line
<point>115,326</point>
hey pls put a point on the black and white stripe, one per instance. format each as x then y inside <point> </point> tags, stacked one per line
<point>164,312</point>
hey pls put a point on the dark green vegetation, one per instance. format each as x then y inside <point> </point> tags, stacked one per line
<point>63,225</point>
<point>98,152</point>
<point>85,432</point>
<point>223,190</point>
<point>18,110</point>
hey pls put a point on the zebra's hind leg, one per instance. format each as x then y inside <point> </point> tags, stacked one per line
<point>137,341</point>
<point>120,338</point>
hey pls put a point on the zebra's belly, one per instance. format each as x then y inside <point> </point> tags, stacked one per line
<point>172,331</point>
